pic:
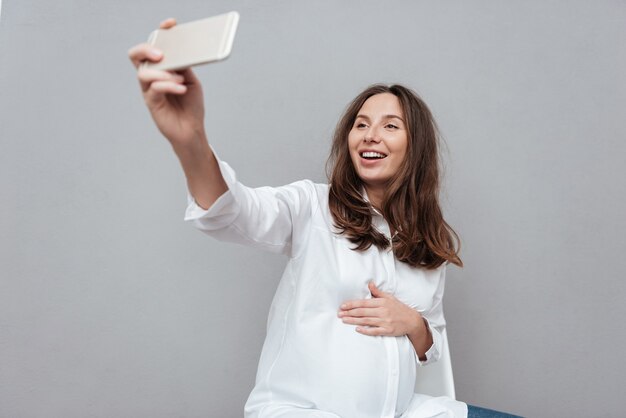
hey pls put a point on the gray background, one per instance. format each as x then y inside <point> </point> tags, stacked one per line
<point>110,306</point>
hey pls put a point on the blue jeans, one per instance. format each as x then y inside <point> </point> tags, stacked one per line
<point>477,412</point>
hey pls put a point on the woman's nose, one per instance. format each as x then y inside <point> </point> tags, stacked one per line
<point>371,135</point>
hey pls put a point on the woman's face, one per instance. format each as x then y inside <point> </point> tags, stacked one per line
<point>378,140</point>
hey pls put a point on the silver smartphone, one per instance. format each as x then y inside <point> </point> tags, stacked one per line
<point>194,43</point>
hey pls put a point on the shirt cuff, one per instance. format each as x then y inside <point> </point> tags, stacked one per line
<point>434,352</point>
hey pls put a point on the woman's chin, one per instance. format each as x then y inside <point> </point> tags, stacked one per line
<point>374,182</point>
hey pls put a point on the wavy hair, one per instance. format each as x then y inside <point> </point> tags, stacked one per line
<point>411,201</point>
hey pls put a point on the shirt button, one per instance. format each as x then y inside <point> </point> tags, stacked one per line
<point>394,372</point>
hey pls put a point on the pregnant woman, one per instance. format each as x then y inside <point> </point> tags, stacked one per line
<point>358,308</point>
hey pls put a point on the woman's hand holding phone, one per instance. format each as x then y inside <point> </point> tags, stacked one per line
<point>174,98</point>
<point>175,101</point>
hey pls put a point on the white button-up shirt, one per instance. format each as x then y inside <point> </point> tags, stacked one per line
<point>312,364</point>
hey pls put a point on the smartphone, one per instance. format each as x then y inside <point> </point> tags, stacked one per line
<point>194,43</point>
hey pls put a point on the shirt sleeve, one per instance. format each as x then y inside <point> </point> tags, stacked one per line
<point>268,218</point>
<point>435,321</point>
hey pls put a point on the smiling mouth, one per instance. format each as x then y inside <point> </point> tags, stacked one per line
<point>370,155</point>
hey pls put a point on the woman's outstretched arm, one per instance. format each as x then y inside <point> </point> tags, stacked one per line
<point>176,104</point>
<point>204,178</point>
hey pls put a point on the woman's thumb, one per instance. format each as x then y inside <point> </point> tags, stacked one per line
<point>375,291</point>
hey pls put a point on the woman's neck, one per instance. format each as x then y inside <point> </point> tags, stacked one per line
<point>375,196</point>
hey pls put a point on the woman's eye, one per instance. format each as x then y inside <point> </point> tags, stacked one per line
<point>392,126</point>
<point>360,125</point>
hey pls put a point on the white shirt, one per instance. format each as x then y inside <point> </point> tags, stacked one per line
<point>312,364</point>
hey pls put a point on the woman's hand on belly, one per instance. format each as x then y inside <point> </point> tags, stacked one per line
<point>385,315</point>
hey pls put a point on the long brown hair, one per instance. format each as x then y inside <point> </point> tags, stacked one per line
<point>411,200</point>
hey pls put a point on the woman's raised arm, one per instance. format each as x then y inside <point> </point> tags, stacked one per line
<point>175,101</point>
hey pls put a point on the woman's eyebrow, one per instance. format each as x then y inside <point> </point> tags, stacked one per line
<point>393,116</point>
<point>390,116</point>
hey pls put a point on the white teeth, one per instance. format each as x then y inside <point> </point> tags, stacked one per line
<point>371,154</point>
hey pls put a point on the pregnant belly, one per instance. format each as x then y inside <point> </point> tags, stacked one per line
<point>336,368</point>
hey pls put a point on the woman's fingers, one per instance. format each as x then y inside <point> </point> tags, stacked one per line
<point>190,77</point>
<point>148,76</point>
<point>373,331</point>
<point>168,23</point>
<point>369,326</point>
<point>144,52</point>
<point>360,312</point>
<point>362,303</point>
<point>156,83</point>
<point>367,321</point>
<point>168,87</point>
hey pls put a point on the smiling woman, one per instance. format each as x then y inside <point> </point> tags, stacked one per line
<point>351,320</point>
<point>391,153</point>
<point>349,325</point>
<point>378,143</point>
